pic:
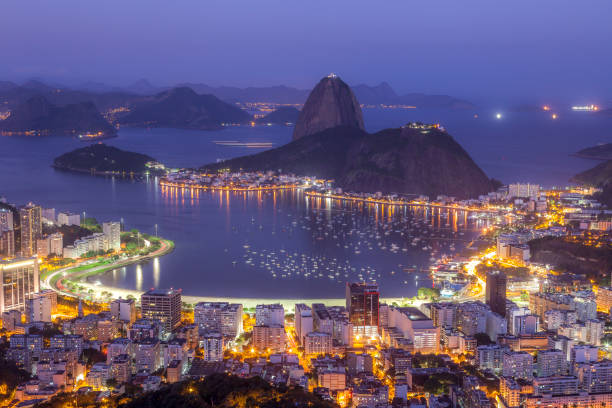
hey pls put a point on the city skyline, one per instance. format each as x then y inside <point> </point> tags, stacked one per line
<point>342,204</point>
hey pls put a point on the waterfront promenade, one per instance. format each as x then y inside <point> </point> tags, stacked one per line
<point>206,187</point>
<point>381,201</point>
<point>55,280</point>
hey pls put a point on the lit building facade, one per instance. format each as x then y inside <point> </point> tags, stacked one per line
<point>222,317</point>
<point>20,281</point>
<point>31,228</point>
<point>163,305</point>
<point>362,302</point>
<point>496,292</point>
<point>112,231</point>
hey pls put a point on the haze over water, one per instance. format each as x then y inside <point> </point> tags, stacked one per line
<point>216,234</point>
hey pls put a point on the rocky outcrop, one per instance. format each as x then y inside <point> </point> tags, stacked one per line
<point>600,152</point>
<point>329,141</point>
<point>37,115</point>
<point>413,160</point>
<point>409,160</point>
<point>330,104</point>
<point>183,108</point>
<point>599,176</point>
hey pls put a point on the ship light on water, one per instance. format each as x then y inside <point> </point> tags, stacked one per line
<point>586,108</point>
<point>498,115</point>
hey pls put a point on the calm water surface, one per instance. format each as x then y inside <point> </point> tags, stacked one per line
<point>282,245</point>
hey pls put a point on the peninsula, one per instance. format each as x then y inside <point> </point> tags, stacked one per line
<point>37,116</point>
<point>330,142</point>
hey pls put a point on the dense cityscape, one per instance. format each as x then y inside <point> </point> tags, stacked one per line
<point>349,204</point>
<point>497,327</point>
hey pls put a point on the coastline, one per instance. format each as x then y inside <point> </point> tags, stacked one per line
<point>44,133</point>
<point>54,280</point>
<point>98,173</point>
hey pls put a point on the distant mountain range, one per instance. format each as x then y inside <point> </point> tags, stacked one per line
<point>415,159</point>
<point>38,115</point>
<point>12,95</point>
<point>192,106</point>
<point>106,96</point>
<point>368,95</point>
<point>183,108</point>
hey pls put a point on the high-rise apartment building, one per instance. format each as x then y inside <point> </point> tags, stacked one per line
<point>20,281</point>
<point>50,245</point>
<point>490,357</point>
<point>524,190</point>
<point>7,244</point>
<point>31,228</point>
<point>303,321</point>
<point>595,377</point>
<point>496,292</point>
<point>318,343</point>
<point>604,299</point>
<point>42,305</point>
<point>67,218</point>
<point>269,338</point>
<point>6,219</point>
<point>222,317</point>
<point>517,364</point>
<point>112,231</point>
<point>443,314</point>
<point>551,363</point>
<point>211,344</point>
<point>124,310</point>
<point>362,301</point>
<point>269,315</point>
<point>163,305</point>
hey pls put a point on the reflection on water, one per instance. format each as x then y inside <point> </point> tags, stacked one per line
<point>211,229</point>
<point>138,277</point>
<point>156,272</point>
<point>286,244</point>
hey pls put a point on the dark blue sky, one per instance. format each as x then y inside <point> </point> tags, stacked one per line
<point>531,49</point>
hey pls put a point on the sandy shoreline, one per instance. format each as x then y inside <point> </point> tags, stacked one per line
<point>288,304</point>
<point>247,302</point>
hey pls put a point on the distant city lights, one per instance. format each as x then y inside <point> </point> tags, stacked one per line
<point>546,107</point>
<point>554,116</point>
<point>498,115</point>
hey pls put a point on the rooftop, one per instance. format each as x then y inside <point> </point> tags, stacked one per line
<point>161,292</point>
<point>414,314</point>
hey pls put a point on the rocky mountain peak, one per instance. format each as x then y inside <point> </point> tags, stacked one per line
<point>330,104</point>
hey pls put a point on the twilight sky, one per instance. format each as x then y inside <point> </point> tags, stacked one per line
<point>493,49</point>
